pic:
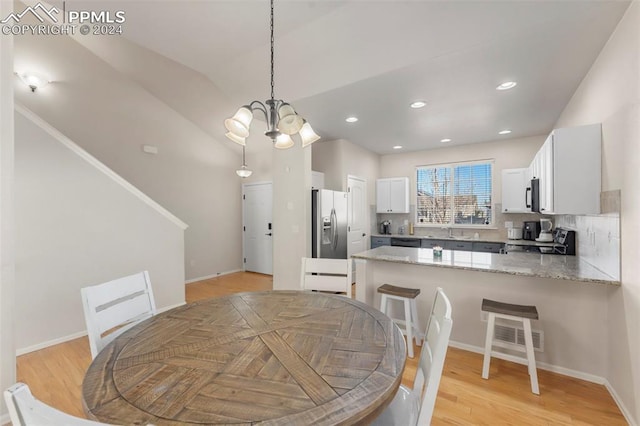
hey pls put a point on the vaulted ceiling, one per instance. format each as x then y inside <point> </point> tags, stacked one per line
<point>368,59</point>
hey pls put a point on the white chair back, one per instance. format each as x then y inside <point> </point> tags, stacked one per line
<point>119,303</point>
<point>326,275</point>
<point>26,410</point>
<point>434,350</point>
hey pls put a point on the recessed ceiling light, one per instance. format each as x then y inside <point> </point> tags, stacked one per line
<point>397,147</point>
<point>418,104</point>
<point>507,85</point>
<point>351,119</point>
<point>504,132</point>
<point>445,140</point>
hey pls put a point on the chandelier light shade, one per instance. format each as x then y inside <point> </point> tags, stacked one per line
<point>244,171</point>
<point>282,119</point>
<point>283,142</point>
<point>307,135</point>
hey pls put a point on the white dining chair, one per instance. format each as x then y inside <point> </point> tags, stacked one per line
<point>113,307</point>
<point>331,275</point>
<point>26,410</point>
<point>411,407</point>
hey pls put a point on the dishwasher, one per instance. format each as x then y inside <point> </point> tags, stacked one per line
<point>405,242</point>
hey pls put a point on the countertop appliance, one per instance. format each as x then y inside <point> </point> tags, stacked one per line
<point>530,230</point>
<point>565,241</point>
<point>405,242</point>
<point>545,231</point>
<point>514,233</point>
<point>329,224</point>
<point>385,227</point>
<point>535,195</point>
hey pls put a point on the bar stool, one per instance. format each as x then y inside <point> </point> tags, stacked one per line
<point>410,322</point>
<point>521,313</point>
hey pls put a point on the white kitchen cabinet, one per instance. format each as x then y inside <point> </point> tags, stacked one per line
<point>568,167</point>
<point>317,180</point>
<point>515,197</point>
<point>392,195</point>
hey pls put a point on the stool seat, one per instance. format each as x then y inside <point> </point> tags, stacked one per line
<point>409,293</point>
<point>508,311</point>
<point>522,311</point>
<point>408,326</point>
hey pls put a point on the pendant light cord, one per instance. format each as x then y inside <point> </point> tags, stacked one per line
<point>272,95</point>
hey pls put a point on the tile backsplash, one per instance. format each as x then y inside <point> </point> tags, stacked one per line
<point>597,240</point>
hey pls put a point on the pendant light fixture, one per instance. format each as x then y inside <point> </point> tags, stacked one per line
<point>282,120</point>
<point>244,171</point>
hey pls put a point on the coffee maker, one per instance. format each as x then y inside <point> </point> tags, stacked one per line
<point>530,230</point>
<point>385,227</point>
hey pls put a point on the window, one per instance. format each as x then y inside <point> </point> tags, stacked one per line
<point>455,194</point>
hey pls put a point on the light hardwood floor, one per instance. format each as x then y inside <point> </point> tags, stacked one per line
<point>55,376</point>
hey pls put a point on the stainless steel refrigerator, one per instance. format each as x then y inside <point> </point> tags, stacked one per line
<point>329,224</point>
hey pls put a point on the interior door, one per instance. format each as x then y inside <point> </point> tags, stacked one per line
<point>357,219</point>
<point>257,227</point>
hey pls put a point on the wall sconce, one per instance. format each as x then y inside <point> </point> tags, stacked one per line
<point>33,79</point>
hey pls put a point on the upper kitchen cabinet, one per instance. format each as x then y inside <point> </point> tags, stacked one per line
<point>516,191</point>
<point>568,170</point>
<point>392,195</point>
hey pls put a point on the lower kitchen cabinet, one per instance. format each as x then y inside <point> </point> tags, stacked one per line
<point>432,243</point>
<point>380,241</point>
<point>488,247</point>
<point>459,245</point>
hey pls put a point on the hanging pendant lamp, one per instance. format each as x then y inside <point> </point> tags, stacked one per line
<point>244,171</point>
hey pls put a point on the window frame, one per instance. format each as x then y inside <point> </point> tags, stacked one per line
<point>452,166</point>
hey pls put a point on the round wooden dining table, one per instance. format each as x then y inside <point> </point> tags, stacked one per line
<point>267,358</point>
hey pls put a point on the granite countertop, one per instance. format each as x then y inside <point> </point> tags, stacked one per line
<point>426,237</point>
<point>527,264</point>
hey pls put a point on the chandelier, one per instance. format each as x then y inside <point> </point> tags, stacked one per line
<point>282,120</point>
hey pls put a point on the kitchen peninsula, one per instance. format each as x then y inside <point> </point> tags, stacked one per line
<point>570,294</point>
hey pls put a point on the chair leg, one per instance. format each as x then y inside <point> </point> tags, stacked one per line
<point>408,325</point>
<point>531,360</point>
<point>488,344</point>
<point>416,325</point>
<point>383,304</point>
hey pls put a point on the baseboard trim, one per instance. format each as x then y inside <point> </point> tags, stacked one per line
<point>541,365</point>
<point>625,412</point>
<point>53,342</point>
<point>560,370</point>
<point>208,277</point>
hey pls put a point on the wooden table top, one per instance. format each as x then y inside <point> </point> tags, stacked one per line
<point>268,358</point>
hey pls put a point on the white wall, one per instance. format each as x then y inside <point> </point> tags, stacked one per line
<point>75,227</point>
<point>111,102</point>
<point>7,250</point>
<point>610,94</point>
<point>291,214</point>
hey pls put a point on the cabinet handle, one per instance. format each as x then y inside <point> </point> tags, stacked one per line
<point>525,198</point>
